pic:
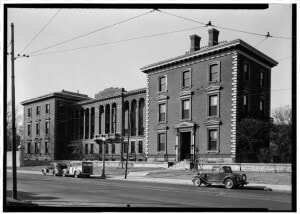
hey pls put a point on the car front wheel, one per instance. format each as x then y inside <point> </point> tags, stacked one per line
<point>229,184</point>
<point>197,182</point>
<point>76,174</point>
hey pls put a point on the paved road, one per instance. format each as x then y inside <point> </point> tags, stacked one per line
<point>91,192</point>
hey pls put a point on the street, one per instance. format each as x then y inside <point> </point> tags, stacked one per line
<point>92,192</point>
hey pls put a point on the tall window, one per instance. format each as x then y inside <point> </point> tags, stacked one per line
<point>47,108</point>
<point>262,108</point>
<point>37,126</point>
<point>29,130</point>
<point>28,148</point>
<point>162,113</point>
<point>29,112</point>
<point>46,148</point>
<point>47,127</point>
<point>36,148</point>
<point>140,146</point>
<point>38,110</point>
<point>214,73</point>
<point>262,79</point>
<point>213,105</point>
<point>92,148</point>
<point>213,139</point>
<point>125,144</point>
<point>246,72</point>
<point>106,148</point>
<point>161,142</point>
<point>86,148</point>
<point>132,146</point>
<point>186,78</point>
<point>113,148</point>
<point>186,107</point>
<point>246,103</point>
<point>162,83</point>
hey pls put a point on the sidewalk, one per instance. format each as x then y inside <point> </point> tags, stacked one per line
<point>141,176</point>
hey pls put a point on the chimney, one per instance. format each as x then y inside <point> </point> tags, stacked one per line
<point>195,43</point>
<point>213,37</point>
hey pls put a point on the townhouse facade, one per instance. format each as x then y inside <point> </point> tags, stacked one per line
<point>189,109</point>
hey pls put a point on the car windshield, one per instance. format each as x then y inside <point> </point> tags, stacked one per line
<point>227,169</point>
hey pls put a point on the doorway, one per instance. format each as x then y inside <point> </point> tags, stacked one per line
<point>185,145</point>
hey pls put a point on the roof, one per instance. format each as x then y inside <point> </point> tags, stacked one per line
<point>62,94</point>
<point>207,50</point>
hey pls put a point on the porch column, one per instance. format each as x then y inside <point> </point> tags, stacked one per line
<point>176,148</point>
<point>193,146</point>
<point>83,123</point>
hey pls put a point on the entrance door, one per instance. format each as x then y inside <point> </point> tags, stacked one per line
<point>185,145</point>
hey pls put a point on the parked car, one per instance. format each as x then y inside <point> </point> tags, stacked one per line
<point>220,175</point>
<point>54,168</point>
<point>82,168</point>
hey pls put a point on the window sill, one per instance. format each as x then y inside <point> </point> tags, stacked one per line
<point>213,152</point>
<point>186,87</point>
<point>213,117</point>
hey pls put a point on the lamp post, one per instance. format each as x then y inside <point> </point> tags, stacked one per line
<point>103,139</point>
<point>127,149</point>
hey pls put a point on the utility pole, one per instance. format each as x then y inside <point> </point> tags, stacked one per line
<point>14,156</point>
<point>127,149</point>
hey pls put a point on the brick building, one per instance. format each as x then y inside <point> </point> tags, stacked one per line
<point>194,101</point>
<point>188,111</point>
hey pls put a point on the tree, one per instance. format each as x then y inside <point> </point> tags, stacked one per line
<point>253,140</point>
<point>281,135</point>
<point>18,123</point>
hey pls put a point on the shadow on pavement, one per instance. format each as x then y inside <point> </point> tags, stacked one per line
<point>264,188</point>
<point>22,196</point>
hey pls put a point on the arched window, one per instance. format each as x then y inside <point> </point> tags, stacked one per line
<point>141,116</point>
<point>126,110</point>
<point>92,123</point>
<point>107,117</point>
<point>133,117</point>
<point>101,111</point>
<point>87,111</point>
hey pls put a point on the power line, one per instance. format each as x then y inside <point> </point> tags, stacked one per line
<point>284,58</point>
<point>86,34</point>
<point>260,42</point>
<point>8,45</point>
<point>119,41</point>
<point>236,30</point>
<point>40,31</point>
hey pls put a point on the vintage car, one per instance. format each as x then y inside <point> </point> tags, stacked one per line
<point>54,168</point>
<point>220,175</point>
<point>82,168</point>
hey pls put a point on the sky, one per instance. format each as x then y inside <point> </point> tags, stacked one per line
<point>118,64</point>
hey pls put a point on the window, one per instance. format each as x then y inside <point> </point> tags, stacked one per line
<point>246,103</point>
<point>37,126</point>
<point>262,108</point>
<point>186,78</point>
<point>38,110</point>
<point>162,113</point>
<point>86,148</point>
<point>113,148</point>
<point>47,127</point>
<point>29,130</point>
<point>140,146</point>
<point>246,72</point>
<point>106,148</point>
<point>46,148</point>
<point>61,108</point>
<point>36,148</point>
<point>213,105</point>
<point>47,108</point>
<point>29,112</point>
<point>262,79</point>
<point>214,72</point>
<point>212,139</point>
<point>185,109</point>
<point>92,148</point>
<point>162,84</point>
<point>125,147</point>
<point>161,142</point>
<point>28,148</point>
<point>132,147</point>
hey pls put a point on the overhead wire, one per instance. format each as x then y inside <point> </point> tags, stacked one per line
<point>119,41</point>
<point>40,32</point>
<point>226,28</point>
<point>89,33</point>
